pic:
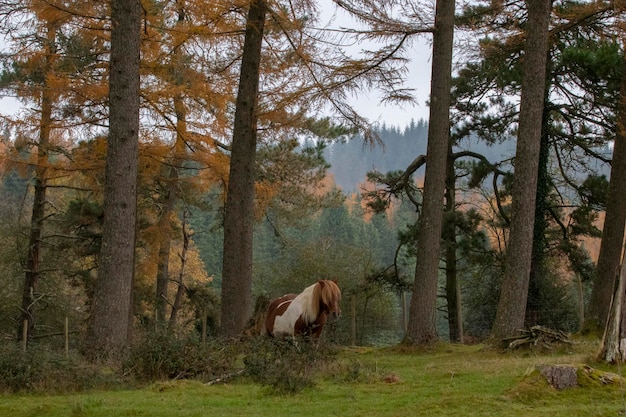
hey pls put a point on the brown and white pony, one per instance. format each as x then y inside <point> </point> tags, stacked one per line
<point>305,313</point>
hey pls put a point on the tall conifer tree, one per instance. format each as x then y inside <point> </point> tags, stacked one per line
<point>422,324</point>
<point>110,322</point>
<point>514,294</point>
<point>239,208</point>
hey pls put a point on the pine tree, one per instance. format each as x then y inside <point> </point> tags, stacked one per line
<point>610,274</point>
<point>422,322</point>
<point>512,305</point>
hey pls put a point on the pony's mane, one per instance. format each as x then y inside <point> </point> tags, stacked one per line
<point>330,292</point>
<point>327,292</point>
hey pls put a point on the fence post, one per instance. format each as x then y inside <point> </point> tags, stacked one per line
<point>24,335</point>
<point>404,313</point>
<point>353,325</point>
<point>67,337</point>
<point>205,317</point>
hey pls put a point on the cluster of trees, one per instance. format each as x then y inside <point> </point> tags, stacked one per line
<point>548,77</point>
<point>130,112</point>
<point>138,115</point>
<point>343,242</point>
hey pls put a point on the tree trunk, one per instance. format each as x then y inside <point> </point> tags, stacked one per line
<point>109,326</point>
<point>168,213</point>
<point>614,222</point>
<point>239,208</point>
<point>33,257</point>
<point>514,293</point>
<point>453,293</point>
<point>613,345</point>
<point>171,189</point>
<point>180,291</point>
<point>165,244</point>
<point>537,263</point>
<point>422,312</point>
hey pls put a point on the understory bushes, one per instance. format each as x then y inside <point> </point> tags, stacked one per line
<point>163,355</point>
<point>285,366</point>
<point>158,356</point>
<point>40,369</point>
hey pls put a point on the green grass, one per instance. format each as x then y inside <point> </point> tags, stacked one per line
<point>443,381</point>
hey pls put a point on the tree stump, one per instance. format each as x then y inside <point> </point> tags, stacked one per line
<point>560,376</point>
<point>568,376</point>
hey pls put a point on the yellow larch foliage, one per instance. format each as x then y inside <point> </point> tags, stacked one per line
<point>53,11</point>
<point>264,194</point>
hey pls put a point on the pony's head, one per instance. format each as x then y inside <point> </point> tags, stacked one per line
<point>329,296</point>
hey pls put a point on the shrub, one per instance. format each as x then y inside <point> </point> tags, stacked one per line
<point>163,355</point>
<point>285,365</point>
<point>354,370</point>
<point>18,370</point>
<point>43,370</point>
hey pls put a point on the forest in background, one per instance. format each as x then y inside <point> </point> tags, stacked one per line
<point>357,246</point>
<point>351,160</point>
<point>346,241</point>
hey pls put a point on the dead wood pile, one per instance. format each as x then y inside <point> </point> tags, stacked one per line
<point>538,336</point>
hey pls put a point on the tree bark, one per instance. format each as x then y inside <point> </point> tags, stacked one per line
<point>422,312</point>
<point>453,292</point>
<point>180,291</point>
<point>533,315</point>
<point>514,293</point>
<point>239,208</point>
<point>612,345</point>
<point>165,244</point>
<point>109,325</point>
<point>614,223</point>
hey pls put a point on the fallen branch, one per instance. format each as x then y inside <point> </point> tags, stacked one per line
<point>225,378</point>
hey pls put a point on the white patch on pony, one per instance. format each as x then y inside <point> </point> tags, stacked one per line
<point>302,305</point>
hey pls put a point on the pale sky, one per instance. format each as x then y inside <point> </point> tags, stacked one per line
<point>400,115</point>
<point>418,78</point>
<point>366,103</point>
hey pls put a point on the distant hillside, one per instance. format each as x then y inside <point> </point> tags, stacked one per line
<point>350,161</point>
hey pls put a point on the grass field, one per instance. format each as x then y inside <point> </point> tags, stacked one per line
<point>447,380</point>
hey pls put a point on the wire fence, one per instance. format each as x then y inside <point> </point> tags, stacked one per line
<point>374,321</point>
